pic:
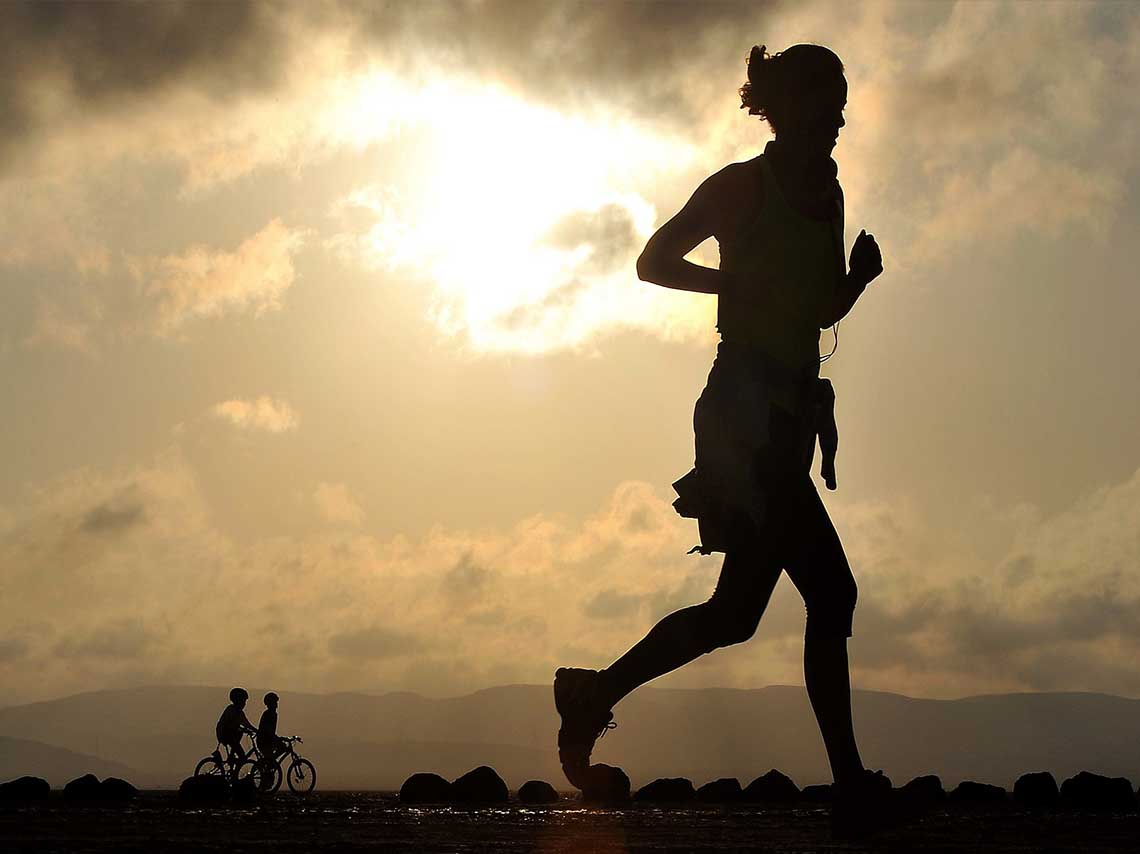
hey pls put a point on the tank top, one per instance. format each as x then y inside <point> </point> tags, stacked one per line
<point>805,256</point>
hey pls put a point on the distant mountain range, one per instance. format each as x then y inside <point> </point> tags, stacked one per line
<point>19,756</point>
<point>154,736</point>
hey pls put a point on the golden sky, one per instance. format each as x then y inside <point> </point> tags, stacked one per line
<point>325,364</point>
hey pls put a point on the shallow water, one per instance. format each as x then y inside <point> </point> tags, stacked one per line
<point>370,821</point>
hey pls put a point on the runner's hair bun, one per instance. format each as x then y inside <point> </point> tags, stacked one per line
<point>756,93</point>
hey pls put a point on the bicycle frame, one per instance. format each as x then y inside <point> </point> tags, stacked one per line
<point>229,760</point>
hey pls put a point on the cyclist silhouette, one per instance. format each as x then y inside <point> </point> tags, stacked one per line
<point>233,724</point>
<point>779,221</point>
<point>268,742</point>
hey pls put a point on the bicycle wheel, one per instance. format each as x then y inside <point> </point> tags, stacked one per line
<point>253,771</point>
<point>272,781</point>
<point>302,776</point>
<point>210,767</point>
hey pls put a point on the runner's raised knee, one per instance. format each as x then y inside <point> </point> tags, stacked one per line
<point>727,624</point>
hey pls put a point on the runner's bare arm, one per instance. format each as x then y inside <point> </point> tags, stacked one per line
<point>662,262</point>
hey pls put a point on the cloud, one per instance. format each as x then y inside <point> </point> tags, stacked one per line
<point>609,233</point>
<point>1019,193</point>
<point>557,303</point>
<point>575,54</point>
<point>323,85</point>
<point>117,639</point>
<point>373,642</point>
<point>574,233</point>
<point>1011,141</point>
<point>955,121</point>
<point>54,328</point>
<point>60,61</point>
<point>264,413</point>
<point>965,132</point>
<point>466,583</point>
<point>336,504</point>
<point>114,516</point>
<point>12,649</point>
<point>170,81</point>
<point>91,298</point>
<point>132,610</point>
<point>601,242</point>
<point>611,603</point>
<point>939,617</point>
<point>936,616</point>
<point>201,282</point>
<point>75,63</point>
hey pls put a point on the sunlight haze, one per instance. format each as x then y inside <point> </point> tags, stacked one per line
<point>326,365</point>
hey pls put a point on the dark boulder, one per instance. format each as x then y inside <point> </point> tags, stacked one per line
<point>85,788</point>
<point>114,789</point>
<point>481,785</point>
<point>1093,792</point>
<point>672,790</point>
<point>969,792</point>
<point>926,790</point>
<point>726,790</point>
<point>537,792</point>
<point>425,788</point>
<point>605,784</point>
<point>24,789</point>
<point>208,789</point>
<point>772,787</point>
<point>245,790</point>
<point>1037,790</point>
<point>819,794</point>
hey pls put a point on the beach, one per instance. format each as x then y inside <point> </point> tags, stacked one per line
<point>375,821</point>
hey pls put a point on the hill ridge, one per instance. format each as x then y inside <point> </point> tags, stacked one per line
<point>375,740</point>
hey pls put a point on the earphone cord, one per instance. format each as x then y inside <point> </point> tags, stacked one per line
<point>835,346</point>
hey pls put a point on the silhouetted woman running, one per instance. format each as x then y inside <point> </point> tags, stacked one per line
<point>779,221</point>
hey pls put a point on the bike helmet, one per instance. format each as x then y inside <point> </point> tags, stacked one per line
<point>237,694</point>
<point>271,696</point>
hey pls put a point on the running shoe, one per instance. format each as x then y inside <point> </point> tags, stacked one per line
<point>869,806</point>
<point>585,718</point>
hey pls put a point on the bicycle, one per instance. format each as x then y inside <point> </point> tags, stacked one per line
<point>301,776</point>
<point>252,768</point>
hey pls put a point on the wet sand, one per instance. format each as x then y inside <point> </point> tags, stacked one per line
<point>342,821</point>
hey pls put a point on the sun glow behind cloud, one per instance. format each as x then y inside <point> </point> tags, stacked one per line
<point>497,210</point>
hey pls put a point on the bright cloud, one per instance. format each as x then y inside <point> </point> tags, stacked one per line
<point>492,168</point>
<point>337,504</point>
<point>527,223</point>
<point>54,328</point>
<point>264,413</point>
<point>202,282</point>
<point>125,566</point>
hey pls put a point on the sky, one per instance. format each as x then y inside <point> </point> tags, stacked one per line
<point>326,366</point>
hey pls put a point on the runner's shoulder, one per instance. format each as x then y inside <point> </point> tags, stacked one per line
<point>732,194</point>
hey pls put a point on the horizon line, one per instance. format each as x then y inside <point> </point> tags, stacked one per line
<point>471,693</point>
